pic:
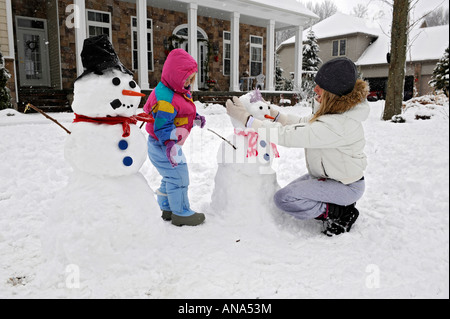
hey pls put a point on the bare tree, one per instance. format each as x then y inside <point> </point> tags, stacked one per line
<point>437,17</point>
<point>399,41</point>
<point>360,11</point>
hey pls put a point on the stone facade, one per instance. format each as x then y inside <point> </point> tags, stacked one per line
<point>164,23</point>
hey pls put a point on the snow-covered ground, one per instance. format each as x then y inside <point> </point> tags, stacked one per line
<point>398,248</point>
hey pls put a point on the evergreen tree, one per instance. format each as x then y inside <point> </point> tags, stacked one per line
<point>310,65</point>
<point>279,80</point>
<point>311,60</point>
<point>439,80</point>
<point>5,96</point>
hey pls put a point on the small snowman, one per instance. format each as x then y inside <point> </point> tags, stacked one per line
<point>103,218</point>
<point>245,181</point>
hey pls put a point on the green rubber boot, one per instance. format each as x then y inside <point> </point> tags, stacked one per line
<point>166,215</point>
<point>193,220</point>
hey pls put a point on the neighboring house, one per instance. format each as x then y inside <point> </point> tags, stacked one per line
<point>367,45</point>
<point>42,40</point>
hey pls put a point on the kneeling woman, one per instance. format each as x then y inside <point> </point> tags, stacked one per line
<point>333,139</point>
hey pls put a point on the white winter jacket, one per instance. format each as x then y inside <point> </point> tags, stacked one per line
<point>334,143</point>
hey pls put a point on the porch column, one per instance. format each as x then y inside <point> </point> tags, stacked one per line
<point>141,13</point>
<point>192,37</point>
<point>298,58</point>
<point>234,74</point>
<point>270,56</point>
<point>12,53</point>
<point>80,31</point>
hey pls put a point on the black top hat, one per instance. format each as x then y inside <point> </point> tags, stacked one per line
<point>98,55</point>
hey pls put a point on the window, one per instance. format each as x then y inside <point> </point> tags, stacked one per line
<point>340,47</point>
<point>256,55</point>
<point>98,23</point>
<point>226,53</point>
<point>135,43</point>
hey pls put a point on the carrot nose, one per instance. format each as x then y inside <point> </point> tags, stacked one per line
<point>132,93</point>
<point>269,117</point>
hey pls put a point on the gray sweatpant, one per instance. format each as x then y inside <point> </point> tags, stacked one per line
<point>307,197</point>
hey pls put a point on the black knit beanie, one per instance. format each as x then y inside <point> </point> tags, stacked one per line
<point>337,76</point>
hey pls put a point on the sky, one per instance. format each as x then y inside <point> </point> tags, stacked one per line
<point>421,7</point>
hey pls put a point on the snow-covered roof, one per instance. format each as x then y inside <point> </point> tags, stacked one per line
<point>425,44</point>
<point>337,25</point>
<point>288,5</point>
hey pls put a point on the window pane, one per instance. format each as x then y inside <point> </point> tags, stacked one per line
<point>343,45</point>
<point>91,16</point>
<point>149,24</point>
<point>335,48</point>
<point>256,69</point>
<point>256,40</point>
<point>105,18</point>
<point>227,67</point>
<point>91,31</point>
<point>27,23</point>
<point>150,60</point>
<point>227,36</point>
<point>182,32</point>
<point>256,55</point>
<point>149,41</point>
<point>135,59</point>
<point>134,22</point>
<point>227,51</point>
<point>135,44</point>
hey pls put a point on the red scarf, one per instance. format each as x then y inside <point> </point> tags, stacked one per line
<point>125,121</point>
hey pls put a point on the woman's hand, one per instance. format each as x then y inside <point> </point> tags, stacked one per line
<point>237,110</point>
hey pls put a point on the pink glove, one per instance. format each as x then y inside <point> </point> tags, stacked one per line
<point>171,151</point>
<point>200,120</point>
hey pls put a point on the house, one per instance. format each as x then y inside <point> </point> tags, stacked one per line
<point>367,44</point>
<point>42,40</point>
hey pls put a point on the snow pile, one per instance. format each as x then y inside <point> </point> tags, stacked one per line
<point>425,107</point>
<point>398,248</point>
<point>103,231</point>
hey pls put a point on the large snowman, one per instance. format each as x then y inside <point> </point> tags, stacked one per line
<point>103,221</point>
<point>245,181</point>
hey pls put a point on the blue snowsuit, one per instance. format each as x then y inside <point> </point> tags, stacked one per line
<point>171,105</point>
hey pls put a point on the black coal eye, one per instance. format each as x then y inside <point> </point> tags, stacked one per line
<point>260,107</point>
<point>116,81</point>
<point>132,84</point>
<point>268,107</point>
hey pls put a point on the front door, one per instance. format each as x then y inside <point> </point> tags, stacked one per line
<point>32,45</point>
<point>202,56</point>
<point>202,50</point>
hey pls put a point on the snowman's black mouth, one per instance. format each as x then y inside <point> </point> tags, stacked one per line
<point>118,103</point>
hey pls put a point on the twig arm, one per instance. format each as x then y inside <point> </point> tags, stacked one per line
<point>29,105</point>
<point>223,138</point>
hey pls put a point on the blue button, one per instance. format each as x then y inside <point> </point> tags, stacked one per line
<point>263,143</point>
<point>267,157</point>
<point>127,161</point>
<point>123,145</point>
